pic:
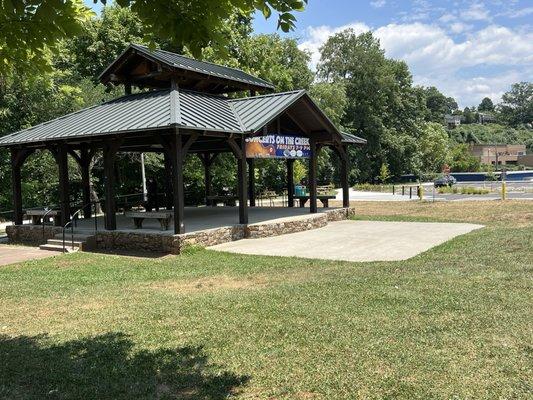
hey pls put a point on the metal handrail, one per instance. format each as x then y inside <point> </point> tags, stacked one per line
<point>45,215</point>
<point>72,220</point>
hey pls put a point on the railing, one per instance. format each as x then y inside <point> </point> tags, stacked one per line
<point>74,218</point>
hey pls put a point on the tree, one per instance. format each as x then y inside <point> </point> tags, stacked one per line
<point>382,104</point>
<point>517,105</point>
<point>331,98</point>
<point>384,173</point>
<point>31,30</point>
<point>433,149</point>
<point>437,104</point>
<point>462,159</point>
<point>486,105</point>
<point>469,116</point>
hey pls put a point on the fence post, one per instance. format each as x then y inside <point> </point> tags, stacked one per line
<point>504,190</point>
<point>410,192</point>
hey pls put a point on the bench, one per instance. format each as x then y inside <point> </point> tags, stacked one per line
<point>164,217</point>
<point>37,216</point>
<point>227,200</point>
<point>324,199</point>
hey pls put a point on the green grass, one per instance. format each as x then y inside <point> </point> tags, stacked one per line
<point>454,322</point>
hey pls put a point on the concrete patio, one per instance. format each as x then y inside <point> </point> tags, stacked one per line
<point>354,241</point>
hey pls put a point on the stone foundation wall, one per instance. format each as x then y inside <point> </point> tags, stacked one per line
<point>262,230</point>
<point>31,234</point>
<point>174,244</point>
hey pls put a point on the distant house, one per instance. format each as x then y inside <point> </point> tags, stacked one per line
<point>498,154</point>
<point>486,118</point>
<point>452,121</point>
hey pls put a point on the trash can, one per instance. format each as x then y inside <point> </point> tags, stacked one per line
<point>299,190</point>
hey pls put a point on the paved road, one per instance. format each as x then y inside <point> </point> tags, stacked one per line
<point>10,254</point>
<point>354,241</point>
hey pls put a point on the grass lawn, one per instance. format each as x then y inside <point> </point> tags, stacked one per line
<point>454,323</point>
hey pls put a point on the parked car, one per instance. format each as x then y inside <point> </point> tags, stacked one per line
<point>446,180</point>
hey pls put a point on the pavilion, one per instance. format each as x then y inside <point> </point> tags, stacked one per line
<point>183,108</point>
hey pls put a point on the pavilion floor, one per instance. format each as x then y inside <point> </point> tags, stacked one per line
<point>202,218</point>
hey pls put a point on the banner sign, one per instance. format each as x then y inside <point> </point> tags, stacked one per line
<point>278,146</point>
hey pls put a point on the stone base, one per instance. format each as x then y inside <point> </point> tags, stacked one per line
<point>174,244</point>
<point>31,234</point>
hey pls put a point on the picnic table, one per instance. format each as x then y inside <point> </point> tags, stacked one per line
<point>38,215</point>
<point>324,199</point>
<point>164,217</point>
<point>226,199</point>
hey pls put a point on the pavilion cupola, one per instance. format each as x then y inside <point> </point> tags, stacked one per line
<point>139,66</point>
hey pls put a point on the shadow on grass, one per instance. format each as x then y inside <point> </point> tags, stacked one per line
<point>108,367</point>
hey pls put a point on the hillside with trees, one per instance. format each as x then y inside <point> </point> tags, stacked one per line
<point>360,89</point>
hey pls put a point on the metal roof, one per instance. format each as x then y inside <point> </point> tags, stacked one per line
<point>174,60</point>
<point>255,112</point>
<point>349,138</point>
<point>152,110</point>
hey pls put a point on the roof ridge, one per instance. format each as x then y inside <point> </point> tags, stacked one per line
<point>268,95</point>
<point>202,61</point>
<point>77,112</point>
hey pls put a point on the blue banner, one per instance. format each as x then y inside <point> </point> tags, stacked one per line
<point>278,146</point>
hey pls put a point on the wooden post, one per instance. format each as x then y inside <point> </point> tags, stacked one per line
<point>290,182</point>
<point>85,164</point>
<point>312,176</point>
<point>64,197</point>
<point>251,181</point>
<point>16,187</point>
<point>207,160</point>
<point>345,169</point>
<point>110,152</point>
<point>176,147</point>
<point>239,150</point>
<point>243,190</point>
<point>169,199</point>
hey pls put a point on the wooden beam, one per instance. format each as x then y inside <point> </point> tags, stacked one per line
<point>16,187</point>
<point>242,183</point>
<point>177,181</point>
<point>64,196</point>
<point>313,175</point>
<point>111,148</point>
<point>251,181</point>
<point>345,183</point>
<point>290,182</point>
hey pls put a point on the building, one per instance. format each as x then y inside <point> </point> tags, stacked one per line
<point>182,107</point>
<point>452,121</point>
<point>498,154</point>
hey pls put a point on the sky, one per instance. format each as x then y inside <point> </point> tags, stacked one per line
<point>468,49</point>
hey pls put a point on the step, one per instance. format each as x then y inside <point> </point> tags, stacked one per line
<point>55,247</point>
<point>82,237</point>
<point>68,242</point>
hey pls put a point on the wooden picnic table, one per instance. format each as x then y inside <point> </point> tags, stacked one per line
<point>324,199</point>
<point>164,217</point>
<point>38,215</point>
<point>226,199</point>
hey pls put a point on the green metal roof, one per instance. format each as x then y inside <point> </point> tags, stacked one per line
<point>152,111</point>
<point>255,112</point>
<point>178,61</point>
<point>349,138</point>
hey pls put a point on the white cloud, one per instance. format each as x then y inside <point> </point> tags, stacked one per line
<point>436,58</point>
<point>523,12</point>
<point>459,27</point>
<point>318,35</point>
<point>476,12</point>
<point>378,3</point>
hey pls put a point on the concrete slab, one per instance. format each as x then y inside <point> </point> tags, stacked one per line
<point>354,241</point>
<point>11,254</point>
<point>202,218</point>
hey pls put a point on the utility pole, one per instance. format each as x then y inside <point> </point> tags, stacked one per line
<point>143,177</point>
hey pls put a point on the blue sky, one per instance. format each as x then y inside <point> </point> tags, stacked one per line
<point>469,49</point>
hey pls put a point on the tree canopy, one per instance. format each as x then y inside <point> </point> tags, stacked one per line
<point>32,30</point>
